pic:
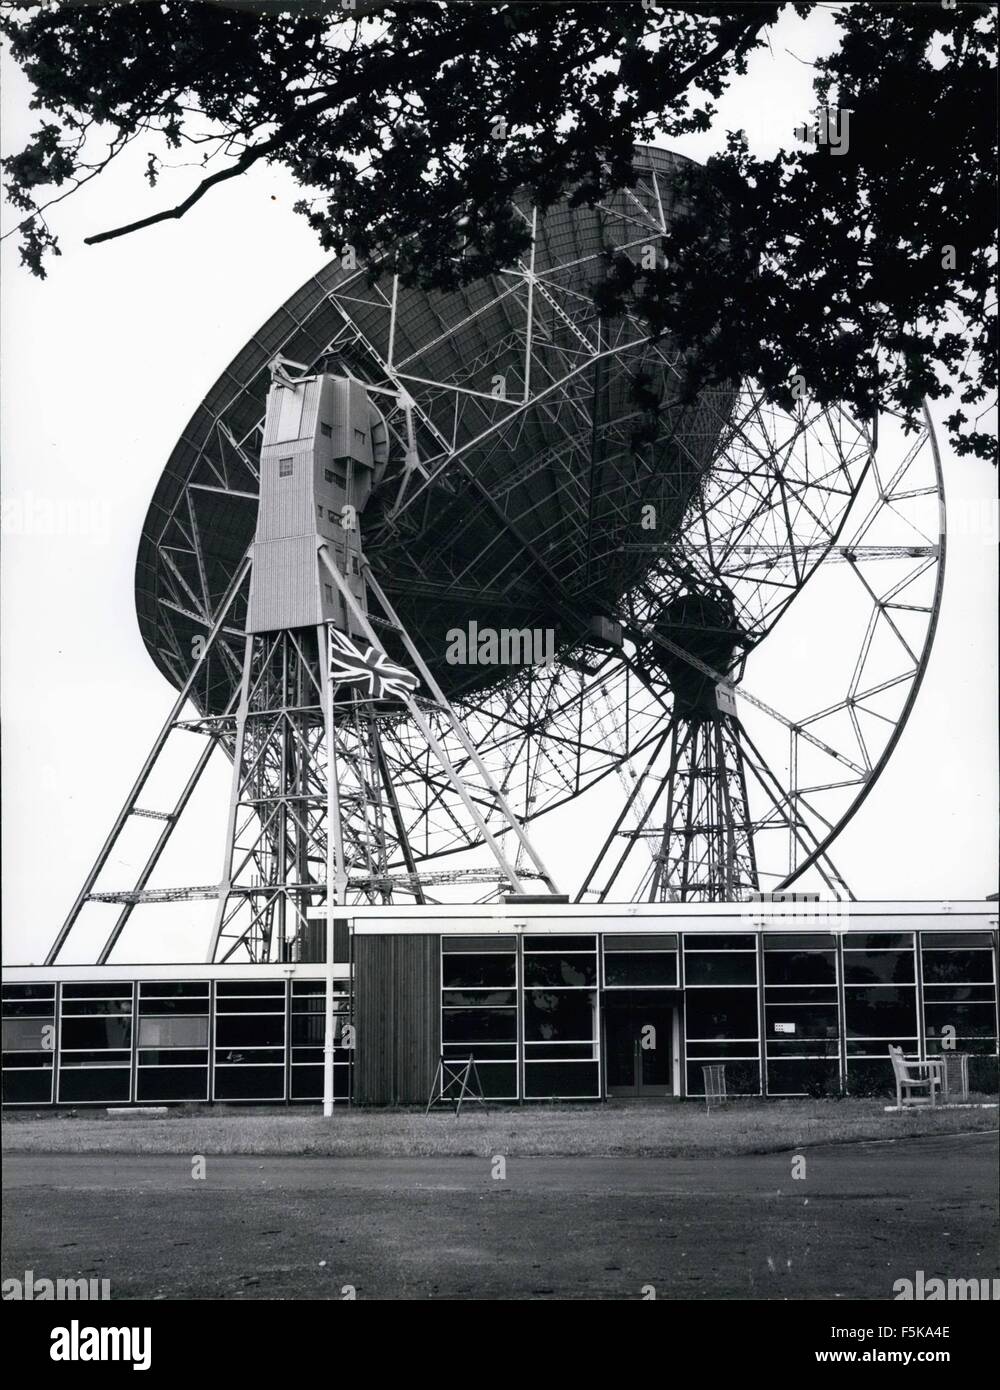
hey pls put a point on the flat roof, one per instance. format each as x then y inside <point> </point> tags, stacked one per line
<point>974,914</point>
<point>169,970</point>
<point>703,917</point>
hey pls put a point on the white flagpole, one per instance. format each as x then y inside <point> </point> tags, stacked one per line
<point>335,876</point>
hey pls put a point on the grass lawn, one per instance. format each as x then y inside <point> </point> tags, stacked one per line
<point>676,1129</point>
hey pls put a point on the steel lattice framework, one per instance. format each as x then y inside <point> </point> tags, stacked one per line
<point>529,489</point>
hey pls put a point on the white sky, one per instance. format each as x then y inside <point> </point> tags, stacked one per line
<point>103,365</point>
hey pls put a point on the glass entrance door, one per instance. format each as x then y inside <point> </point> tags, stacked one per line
<point>638,1039</point>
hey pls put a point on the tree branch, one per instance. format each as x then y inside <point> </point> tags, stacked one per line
<point>246,159</point>
<point>735,36</point>
<point>249,157</point>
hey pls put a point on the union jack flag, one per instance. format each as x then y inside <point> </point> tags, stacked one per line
<point>368,667</point>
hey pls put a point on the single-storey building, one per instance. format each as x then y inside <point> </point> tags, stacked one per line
<point>553,1001</point>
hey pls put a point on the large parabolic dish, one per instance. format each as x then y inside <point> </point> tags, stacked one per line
<point>526,489</point>
<point>534,494</point>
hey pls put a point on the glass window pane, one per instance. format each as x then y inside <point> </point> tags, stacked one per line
<point>309,1004</point>
<point>742,1079</point>
<point>28,1008</point>
<point>800,967</point>
<point>801,1020</point>
<point>568,1079</point>
<point>960,994</point>
<point>159,1007</point>
<point>95,1084</point>
<point>701,968</point>
<point>96,1032</point>
<point>879,1047</point>
<point>881,1013</point>
<point>961,940</point>
<point>172,1083</point>
<point>173,1057</point>
<point>27,1088</point>
<point>641,968</point>
<point>560,943</point>
<point>561,970</point>
<point>250,1006</point>
<point>985,1046</point>
<point>249,1056</point>
<point>870,1078</point>
<point>26,1034</point>
<point>784,1046</point>
<point>478,1025</point>
<point>479,971</point>
<point>801,994</point>
<point>307,1083</point>
<point>97,991</point>
<point>21,1060</point>
<point>559,1052</point>
<point>479,998</point>
<point>968,1020</point>
<point>173,1031</point>
<point>879,941</point>
<point>878,967</point>
<point>460,944</point>
<point>499,1079</point>
<point>310,1029</point>
<point>174,989</point>
<point>698,941</point>
<point>100,1057</point>
<point>799,941</point>
<point>226,988</point>
<point>721,1013</point>
<point>709,1049</point>
<point>813,1078</point>
<point>250,1030</point>
<point>558,1016</point>
<point>487,1051</point>
<point>964,966</point>
<point>94,1008</point>
<point>665,942</point>
<point>249,1083</point>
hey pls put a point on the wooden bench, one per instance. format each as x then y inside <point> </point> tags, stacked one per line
<point>912,1075</point>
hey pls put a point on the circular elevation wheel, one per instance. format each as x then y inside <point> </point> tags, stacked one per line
<point>546,480</point>
<point>778,717</point>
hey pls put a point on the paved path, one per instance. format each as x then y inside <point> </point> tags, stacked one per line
<point>862,1216</point>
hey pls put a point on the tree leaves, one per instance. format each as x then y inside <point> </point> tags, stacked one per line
<point>869,274</point>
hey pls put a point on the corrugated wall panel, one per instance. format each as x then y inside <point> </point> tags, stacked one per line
<point>285,585</point>
<point>312,941</point>
<point>287,504</point>
<point>397,1014</point>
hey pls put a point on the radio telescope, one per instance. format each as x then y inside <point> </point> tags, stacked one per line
<point>736,604</point>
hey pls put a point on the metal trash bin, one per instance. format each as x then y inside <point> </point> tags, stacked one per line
<point>956,1076</point>
<point>715,1085</point>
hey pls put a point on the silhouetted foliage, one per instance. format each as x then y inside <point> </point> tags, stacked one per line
<point>864,275</point>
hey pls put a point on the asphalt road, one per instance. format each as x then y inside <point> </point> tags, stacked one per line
<point>859,1217</point>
